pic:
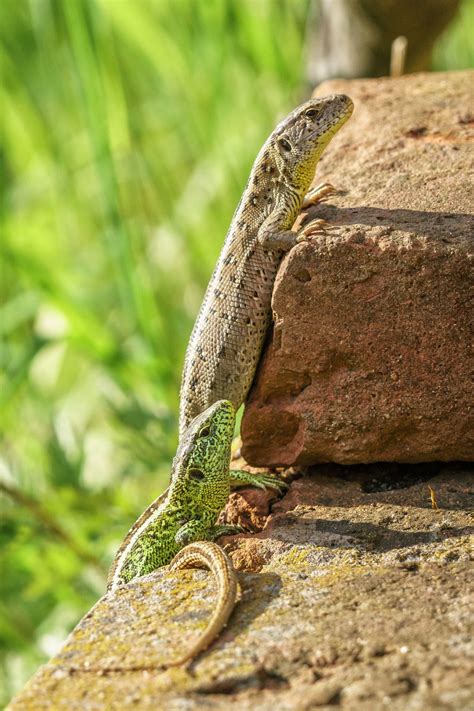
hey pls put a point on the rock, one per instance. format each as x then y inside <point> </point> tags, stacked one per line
<point>355,590</point>
<point>371,354</point>
<point>355,596</point>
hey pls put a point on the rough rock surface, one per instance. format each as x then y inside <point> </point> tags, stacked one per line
<point>355,596</point>
<point>371,355</point>
<point>355,589</point>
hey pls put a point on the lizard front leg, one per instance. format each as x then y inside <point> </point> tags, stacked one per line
<point>287,239</point>
<point>192,531</point>
<point>318,194</point>
<point>197,530</point>
<point>239,477</point>
<point>271,237</point>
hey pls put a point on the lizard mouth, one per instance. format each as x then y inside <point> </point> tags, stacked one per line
<point>331,129</point>
<point>336,121</point>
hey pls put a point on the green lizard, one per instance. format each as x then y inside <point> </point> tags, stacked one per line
<point>187,514</point>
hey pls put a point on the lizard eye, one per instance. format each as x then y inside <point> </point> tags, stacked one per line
<point>285,144</point>
<point>196,474</point>
<point>204,432</point>
<point>311,113</point>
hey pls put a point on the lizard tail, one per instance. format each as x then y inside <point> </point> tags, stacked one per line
<point>204,554</point>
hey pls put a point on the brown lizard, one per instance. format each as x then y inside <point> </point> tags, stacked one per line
<point>230,330</point>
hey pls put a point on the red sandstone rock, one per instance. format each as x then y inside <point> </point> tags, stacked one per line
<point>371,354</point>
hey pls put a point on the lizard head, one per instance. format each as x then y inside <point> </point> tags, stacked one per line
<point>298,141</point>
<point>203,457</point>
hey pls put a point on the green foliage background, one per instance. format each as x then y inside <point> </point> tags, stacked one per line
<point>128,132</point>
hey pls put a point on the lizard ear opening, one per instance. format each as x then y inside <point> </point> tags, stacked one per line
<point>205,431</point>
<point>196,474</point>
<point>284,145</point>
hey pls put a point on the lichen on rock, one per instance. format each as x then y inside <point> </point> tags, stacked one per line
<point>354,594</point>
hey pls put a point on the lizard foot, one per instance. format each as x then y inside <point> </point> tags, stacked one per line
<point>314,227</point>
<point>261,481</point>
<point>319,194</point>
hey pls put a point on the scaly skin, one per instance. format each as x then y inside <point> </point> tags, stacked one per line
<point>187,513</point>
<point>223,353</point>
<point>205,554</point>
<point>230,329</point>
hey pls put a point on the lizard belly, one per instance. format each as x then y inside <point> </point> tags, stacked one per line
<point>230,330</point>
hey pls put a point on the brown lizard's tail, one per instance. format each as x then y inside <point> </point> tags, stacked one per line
<point>204,554</point>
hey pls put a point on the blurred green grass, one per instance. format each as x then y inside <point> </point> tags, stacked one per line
<point>128,132</point>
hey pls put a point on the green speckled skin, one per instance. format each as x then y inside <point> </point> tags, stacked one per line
<point>188,510</point>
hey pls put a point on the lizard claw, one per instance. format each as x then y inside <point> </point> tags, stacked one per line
<point>319,194</point>
<point>315,227</point>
